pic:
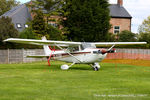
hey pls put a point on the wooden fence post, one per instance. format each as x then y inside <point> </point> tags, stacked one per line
<point>22,55</point>
<point>8,56</point>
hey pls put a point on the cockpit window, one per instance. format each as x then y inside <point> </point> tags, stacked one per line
<point>73,49</point>
<point>87,45</point>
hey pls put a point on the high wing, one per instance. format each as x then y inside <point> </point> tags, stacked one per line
<point>42,42</point>
<point>66,43</point>
<point>116,43</point>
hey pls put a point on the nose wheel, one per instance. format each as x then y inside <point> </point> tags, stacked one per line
<point>95,66</point>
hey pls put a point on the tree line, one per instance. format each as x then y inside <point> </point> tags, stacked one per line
<point>80,20</point>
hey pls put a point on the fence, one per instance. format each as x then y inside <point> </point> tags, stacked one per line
<point>19,55</point>
<point>140,54</point>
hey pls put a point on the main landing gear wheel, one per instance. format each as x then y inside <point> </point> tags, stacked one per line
<point>66,67</point>
<point>95,66</point>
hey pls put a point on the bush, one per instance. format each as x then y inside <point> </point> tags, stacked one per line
<point>144,37</point>
<point>127,36</point>
<point>27,34</point>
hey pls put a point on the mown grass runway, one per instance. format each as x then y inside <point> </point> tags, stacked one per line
<point>37,81</point>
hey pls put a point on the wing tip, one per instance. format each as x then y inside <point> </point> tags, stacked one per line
<point>7,40</point>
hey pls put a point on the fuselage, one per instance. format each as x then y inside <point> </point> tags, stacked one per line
<point>87,56</point>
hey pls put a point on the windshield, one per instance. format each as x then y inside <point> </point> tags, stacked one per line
<point>87,45</point>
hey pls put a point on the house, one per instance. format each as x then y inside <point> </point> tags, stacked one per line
<point>20,16</point>
<point>120,18</point>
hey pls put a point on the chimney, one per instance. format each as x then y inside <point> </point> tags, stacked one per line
<point>120,2</point>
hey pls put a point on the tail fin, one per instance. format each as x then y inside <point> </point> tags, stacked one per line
<point>46,47</point>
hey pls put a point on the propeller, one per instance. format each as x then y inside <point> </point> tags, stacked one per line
<point>108,51</point>
<point>103,51</point>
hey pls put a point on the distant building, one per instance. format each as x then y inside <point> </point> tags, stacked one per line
<point>120,18</point>
<point>20,16</point>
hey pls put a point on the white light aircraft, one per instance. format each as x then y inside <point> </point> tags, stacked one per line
<point>75,53</point>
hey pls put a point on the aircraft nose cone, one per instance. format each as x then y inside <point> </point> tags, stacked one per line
<point>103,51</point>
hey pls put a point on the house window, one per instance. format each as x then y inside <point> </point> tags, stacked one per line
<point>116,29</point>
<point>26,26</point>
<point>18,25</point>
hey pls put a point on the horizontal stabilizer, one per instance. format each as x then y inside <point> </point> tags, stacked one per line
<point>37,56</point>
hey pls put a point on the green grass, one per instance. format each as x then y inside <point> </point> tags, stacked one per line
<point>37,81</point>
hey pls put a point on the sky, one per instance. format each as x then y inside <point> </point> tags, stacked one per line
<point>23,1</point>
<point>138,9</point>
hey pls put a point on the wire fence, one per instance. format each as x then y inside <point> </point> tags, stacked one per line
<point>19,55</point>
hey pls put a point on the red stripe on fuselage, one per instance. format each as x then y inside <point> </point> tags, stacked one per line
<point>66,54</point>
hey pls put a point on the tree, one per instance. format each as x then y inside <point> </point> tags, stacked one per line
<point>144,30</point>
<point>127,36</point>
<point>49,7</point>
<point>145,27</point>
<point>38,24</point>
<point>6,5</point>
<point>144,37</point>
<point>86,20</point>
<point>54,33</point>
<point>43,9</point>
<point>7,29</point>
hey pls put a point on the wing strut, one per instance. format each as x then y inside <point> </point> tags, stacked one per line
<point>111,47</point>
<point>68,53</point>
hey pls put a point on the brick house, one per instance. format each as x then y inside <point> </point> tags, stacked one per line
<point>120,18</point>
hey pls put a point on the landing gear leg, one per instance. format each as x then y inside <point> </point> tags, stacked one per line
<point>72,64</point>
<point>95,66</point>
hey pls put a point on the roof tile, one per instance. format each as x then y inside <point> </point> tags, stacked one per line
<point>118,11</point>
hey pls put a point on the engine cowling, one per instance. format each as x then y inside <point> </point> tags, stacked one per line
<point>103,51</point>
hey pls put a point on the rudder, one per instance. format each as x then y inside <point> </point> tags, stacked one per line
<point>46,47</point>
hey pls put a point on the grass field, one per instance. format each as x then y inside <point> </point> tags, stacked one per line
<point>37,81</point>
<point>129,62</point>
